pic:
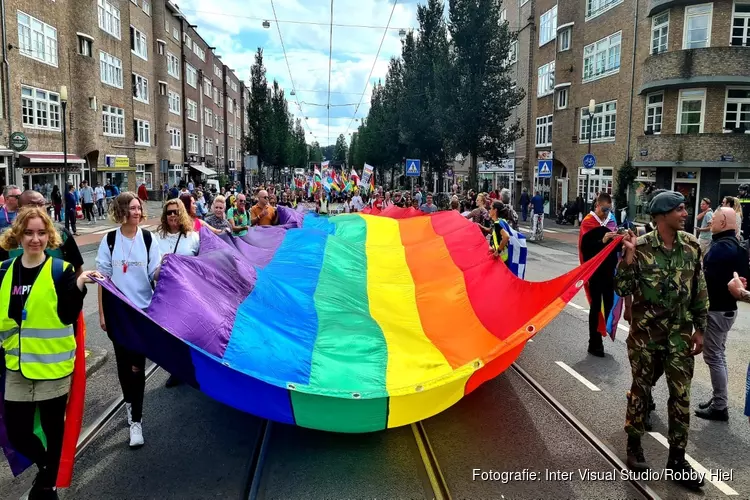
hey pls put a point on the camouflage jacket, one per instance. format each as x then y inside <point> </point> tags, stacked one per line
<point>668,289</point>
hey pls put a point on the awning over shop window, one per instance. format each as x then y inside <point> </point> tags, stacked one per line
<point>204,170</point>
<point>46,158</point>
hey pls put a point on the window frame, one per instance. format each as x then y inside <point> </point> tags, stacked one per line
<point>193,139</point>
<point>189,72</point>
<point>105,8</point>
<point>52,109</point>
<point>173,65</point>
<point>648,106</point>
<point>600,123</point>
<point>85,46</point>
<point>191,109</point>
<point>595,52</point>
<point>735,100</point>
<point>548,26</point>
<point>138,43</point>
<point>550,79</point>
<point>685,16</point>
<point>562,91</point>
<point>606,6</point>
<point>114,116</point>
<point>175,133</point>
<point>660,26</point>
<point>145,127</point>
<point>680,100</point>
<point>146,7</point>
<point>106,59</point>
<point>174,98</point>
<point>743,15</point>
<point>50,43</point>
<point>545,125</point>
<point>139,88</point>
<point>561,37</point>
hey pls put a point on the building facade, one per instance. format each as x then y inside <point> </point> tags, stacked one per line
<point>137,83</point>
<point>670,85</point>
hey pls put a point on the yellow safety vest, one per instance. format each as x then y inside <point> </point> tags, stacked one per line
<point>42,348</point>
<point>496,243</point>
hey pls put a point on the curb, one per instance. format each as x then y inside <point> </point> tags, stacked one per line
<point>95,359</point>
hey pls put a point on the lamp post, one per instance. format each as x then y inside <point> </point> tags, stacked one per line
<point>590,112</point>
<point>64,102</point>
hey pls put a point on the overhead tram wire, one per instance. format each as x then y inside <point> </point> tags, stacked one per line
<point>312,23</point>
<point>367,83</point>
<point>289,69</point>
<point>330,58</point>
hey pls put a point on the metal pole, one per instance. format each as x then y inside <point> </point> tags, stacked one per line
<point>588,174</point>
<point>65,155</point>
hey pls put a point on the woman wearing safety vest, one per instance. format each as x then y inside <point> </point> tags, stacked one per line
<point>500,234</point>
<point>130,258</point>
<point>40,300</point>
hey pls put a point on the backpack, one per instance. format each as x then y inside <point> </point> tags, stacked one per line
<point>147,238</point>
<point>58,267</point>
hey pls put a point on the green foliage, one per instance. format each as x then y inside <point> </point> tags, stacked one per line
<point>316,154</point>
<point>341,149</point>
<point>625,177</point>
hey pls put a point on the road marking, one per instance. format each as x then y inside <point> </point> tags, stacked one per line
<point>724,487</point>
<point>576,306</point>
<point>578,376</point>
<point>102,231</point>
<point>550,231</point>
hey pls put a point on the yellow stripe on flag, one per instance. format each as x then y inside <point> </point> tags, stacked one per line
<point>412,358</point>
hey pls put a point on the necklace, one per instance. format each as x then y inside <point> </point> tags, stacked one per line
<point>125,262</point>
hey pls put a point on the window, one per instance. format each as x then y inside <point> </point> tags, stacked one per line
<point>192,144</point>
<point>147,7</point>
<point>138,43</point>
<point>230,129</point>
<point>503,16</point>
<point>110,69</point>
<point>175,138</point>
<point>192,110</point>
<point>198,51</point>
<point>217,71</point>
<point>562,98</point>
<point>84,46</point>
<point>162,88</point>
<point>166,25</point>
<point>173,65</point>
<point>602,58</point>
<point>544,131</point>
<point>40,108</point>
<point>231,152</point>
<point>230,106</point>
<point>175,33</point>
<point>596,8</point>
<point>207,87</point>
<point>654,112</point>
<point>512,53</point>
<point>142,131</point>
<point>216,121</point>
<point>659,33</point>
<point>109,18</point>
<point>604,124</point>
<point>216,95</point>
<point>191,76</point>
<point>737,110</point>
<point>546,79</point>
<point>209,147</point>
<point>209,117</point>
<point>697,32</point>
<point>174,102</point>
<point>690,111</point>
<point>160,47</point>
<point>563,40</point>
<point>36,39</point>
<point>599,181</point>
<point>113,121</point>
<point>741,24</point>
<point>140,88</point>
<point>548,26</point>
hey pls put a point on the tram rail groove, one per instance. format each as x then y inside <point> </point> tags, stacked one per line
<point>257,462</point>
<point>589,436</point>
<point>437,480</point>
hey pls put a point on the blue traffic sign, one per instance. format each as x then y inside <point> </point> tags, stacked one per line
<point>589,161</point>
<point>413,168</point>
<point>545,169</point>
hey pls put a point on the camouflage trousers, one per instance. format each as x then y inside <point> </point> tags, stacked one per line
<point>645,360</point>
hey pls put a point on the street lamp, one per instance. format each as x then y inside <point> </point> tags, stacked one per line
<point>64,102</point>
<point>590,112</point>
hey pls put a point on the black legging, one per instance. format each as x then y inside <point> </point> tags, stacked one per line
<point>600,291</point>
<point>19,421</point>
<point>70,219</point>
<point>133,383</point>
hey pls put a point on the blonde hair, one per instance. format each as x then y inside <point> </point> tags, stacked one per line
<point>186,223</point>
<point>12,237</point>
<point>219,198</point>
<point>120,208</point>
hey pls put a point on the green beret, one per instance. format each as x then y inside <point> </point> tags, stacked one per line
<point>665,202</point>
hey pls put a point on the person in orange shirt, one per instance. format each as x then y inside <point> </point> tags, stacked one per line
<point>262,214</point>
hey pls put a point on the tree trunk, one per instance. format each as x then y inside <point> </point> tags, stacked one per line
<point>473,174</point>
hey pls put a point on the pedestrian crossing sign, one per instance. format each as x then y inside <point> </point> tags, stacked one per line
<point>413,168</point>
<point>545,169</point>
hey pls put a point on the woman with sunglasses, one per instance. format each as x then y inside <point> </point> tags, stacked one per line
<point>130,258</point>
<point>190,208</point>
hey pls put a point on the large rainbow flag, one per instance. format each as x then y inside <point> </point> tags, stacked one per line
<point>353,323</point>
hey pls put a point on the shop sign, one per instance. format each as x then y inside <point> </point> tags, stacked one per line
<point>545,155</point>
<point>121,162</point>
<point>18,142</point>
<point>727,158</point>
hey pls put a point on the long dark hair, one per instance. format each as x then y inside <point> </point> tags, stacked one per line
<point>187,200</point>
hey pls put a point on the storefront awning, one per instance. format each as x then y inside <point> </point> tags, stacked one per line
<point>204,170</point>
<point>46,158</point>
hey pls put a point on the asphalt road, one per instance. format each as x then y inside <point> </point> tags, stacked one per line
<point>197,448</point>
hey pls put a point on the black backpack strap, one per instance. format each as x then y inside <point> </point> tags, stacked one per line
<point>111,241</point>
<point>147,238</point>
<point>58,268</point>
<point>4,267</point>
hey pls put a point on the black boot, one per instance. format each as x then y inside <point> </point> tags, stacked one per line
<point>636,461</point>
<point>596,346</point>
<point>682,472</point>
<point>647,419</point>
<point>712,413</point>
<point>706,404</point>
<point>39,491</point>
<point>173,381</point>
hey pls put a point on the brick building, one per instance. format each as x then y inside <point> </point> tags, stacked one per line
<point>140,82</point>
<point>671,97</point>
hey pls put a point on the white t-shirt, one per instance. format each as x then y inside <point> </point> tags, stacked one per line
<point>135,282</point>
<point>100,194</point>
<point>189,244</point>
<point>357,203</point>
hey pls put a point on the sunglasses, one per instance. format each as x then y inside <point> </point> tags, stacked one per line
<point>173,212</point>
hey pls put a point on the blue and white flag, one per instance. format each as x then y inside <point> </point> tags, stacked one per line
<point>516,250</point>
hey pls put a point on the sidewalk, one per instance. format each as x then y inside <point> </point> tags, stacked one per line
<point>90,234</point>
<point>565,234</point>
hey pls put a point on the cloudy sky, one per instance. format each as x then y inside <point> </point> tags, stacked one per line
<point>235,28</point>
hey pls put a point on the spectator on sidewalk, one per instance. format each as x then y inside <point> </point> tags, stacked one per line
<point>70,209</point>
<point>704,231</point>
<point>9,211</point>
<point>512,214</point>
<point>537,227</point>
<point>100,196</point>
<point>143,192</point>
<point>87,200</point>
<point>525,202</point>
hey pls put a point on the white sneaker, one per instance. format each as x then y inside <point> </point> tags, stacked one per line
<point>136,435</point>
<point>129,407</point>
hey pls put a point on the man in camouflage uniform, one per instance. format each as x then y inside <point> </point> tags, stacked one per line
<point>662,271</point>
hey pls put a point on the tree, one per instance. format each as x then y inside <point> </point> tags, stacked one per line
<point>257,110</point>
<point>316,154</point>
<point>341,149</point>
<point>350,158</point>
<point>481,98</point>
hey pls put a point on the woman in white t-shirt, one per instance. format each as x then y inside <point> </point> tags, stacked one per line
<point>130,257</point>
<point>176,233</point>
